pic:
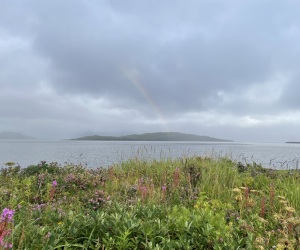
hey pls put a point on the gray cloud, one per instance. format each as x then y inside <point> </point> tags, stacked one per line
<point>149,64</point>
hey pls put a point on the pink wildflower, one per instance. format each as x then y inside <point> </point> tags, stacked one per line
<point>6,218</point>
<point>7,215</point>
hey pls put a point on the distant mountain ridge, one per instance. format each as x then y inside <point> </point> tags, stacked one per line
<point>14,136</point>
<point>158,136</point>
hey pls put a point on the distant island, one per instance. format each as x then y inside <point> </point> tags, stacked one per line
<point>159,136</point>
<point>14,136</point>
<point>296,142</point>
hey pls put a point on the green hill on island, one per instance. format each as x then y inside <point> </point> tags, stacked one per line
<point>159,136</point>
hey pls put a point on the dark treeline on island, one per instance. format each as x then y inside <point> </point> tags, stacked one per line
<point>159,136</point>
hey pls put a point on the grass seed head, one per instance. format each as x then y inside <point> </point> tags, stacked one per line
<point>237,190</point>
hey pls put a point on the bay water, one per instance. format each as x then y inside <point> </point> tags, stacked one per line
<point>106,153</point>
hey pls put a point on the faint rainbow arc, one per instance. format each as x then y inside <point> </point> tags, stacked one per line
<point>133,75</point>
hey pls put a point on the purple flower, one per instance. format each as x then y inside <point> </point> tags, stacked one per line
<point>7,215</point>
<point>163,188</point>
<point>48,235</point>
<point>54,183</point>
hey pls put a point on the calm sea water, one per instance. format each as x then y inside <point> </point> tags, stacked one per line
<point>103,154</point>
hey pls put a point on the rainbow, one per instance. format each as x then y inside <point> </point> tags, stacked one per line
<point>133,77</point>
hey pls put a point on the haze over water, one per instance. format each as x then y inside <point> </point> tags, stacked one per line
<point>105,153</point>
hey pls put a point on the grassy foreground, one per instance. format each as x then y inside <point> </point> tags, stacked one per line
<point>193,203</point>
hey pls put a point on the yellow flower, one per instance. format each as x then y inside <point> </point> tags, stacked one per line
<point>260,240</point>
<point>60,223</point>
<point>236,190</point>
<point>238,198</point>
<point>263,220</point>
<point>280,246</point>
<point>284,202</point>
<point>253,191</point>
<point>250,202</point>
<point>290,209</point>
<point>294,220</point>
<point>280,197</point>
<point>277,216</point>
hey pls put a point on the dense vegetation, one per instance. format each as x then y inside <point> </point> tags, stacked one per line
<point>194,203</point>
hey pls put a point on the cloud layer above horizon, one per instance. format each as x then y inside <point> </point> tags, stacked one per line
<point>228,69</point>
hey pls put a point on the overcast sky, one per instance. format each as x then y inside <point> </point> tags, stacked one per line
<point>227,69</point>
